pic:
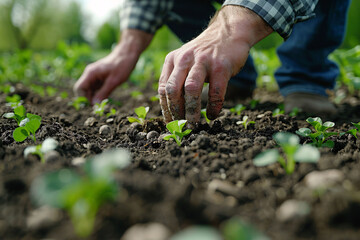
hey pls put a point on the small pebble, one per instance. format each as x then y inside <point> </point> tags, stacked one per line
<point>104,130</point>
<point>109,120</point>
<point>51,156</point>
<point>292,209</point>
<point>149,231</point>
<point>323,179</point>
<point>42,217</point>
<point>152,134</point>
<point>90,122</point>
<point>141,136</point>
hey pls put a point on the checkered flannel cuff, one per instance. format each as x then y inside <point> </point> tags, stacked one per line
<point>281,15</point>
<point>145,15</point>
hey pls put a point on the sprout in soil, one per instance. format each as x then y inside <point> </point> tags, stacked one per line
<point>40,150</point>
<point>136,94</point>
<point>82,195</point>
<point>245,122</point>
<point>176,130</point>
<point>292,150</point>
<point>355,130</point>
<point>112,112</point>
<point>320,134</point>
<point>80,102</point>
<point>99,108</point>
<point>28,124</point>
<point>279,110</point>
<point>237,109</point>
<point>203,113</point>
<point>294,112</point>
<point>155,98</point>
<point>141,112</point>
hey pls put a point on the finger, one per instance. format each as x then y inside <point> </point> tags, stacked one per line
<point>192,88</point>
<point>84,86</point>
<point>104,92</point>
<point>219,78</point>
<point>174,92</point>
<point>165,73</point>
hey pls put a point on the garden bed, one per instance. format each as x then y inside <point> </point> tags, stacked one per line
<point>207,180</point>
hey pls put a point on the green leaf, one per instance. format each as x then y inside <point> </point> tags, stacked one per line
<point>9,115</point>
<point>266,158</point>
<point>173,126</point>
<point>285,138</point>
<point>20,134</point>
<point>353,132</point>
<point>20,111</point>
<point>328,124</point>
<point>307,153</point>
<point>48,189</point>
<point>132,119</point>
<point>167,137</point>
<point>33,116</point>
<point>141,112</point>
<point>304,132</point>
<point>357,125</point>
<point>187,132</point>
<point>33,125</point>
<point>329,144</point>
<point>181,124</point>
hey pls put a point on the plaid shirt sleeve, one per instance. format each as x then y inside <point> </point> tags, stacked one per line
<point>281,15</point>
<point>145,15</point>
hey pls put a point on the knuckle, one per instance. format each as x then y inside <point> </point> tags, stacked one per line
<point>161,90</point>
<point>184,58</point>
<point>192,86</point>
<point>169,57</point>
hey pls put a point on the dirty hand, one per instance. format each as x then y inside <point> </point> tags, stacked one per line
<point>214,56</point>
<point>100,78</point>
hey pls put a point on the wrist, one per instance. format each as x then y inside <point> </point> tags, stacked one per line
<point>241,24</point>
<point>132,43</point>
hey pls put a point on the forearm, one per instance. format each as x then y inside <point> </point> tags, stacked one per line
<point>281,15</point>
<point>132,43</point>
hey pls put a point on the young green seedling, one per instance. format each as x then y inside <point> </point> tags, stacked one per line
<point>175,128</point>
<point>27,128</point>
<point>111,113</point>
<point>293,151</point>
<point>136,94</point>
<point>278,111</point>
<point>82,195</point>
<point>80,102</point>
<point>203,113</point>
<point>294,112</point>
<point>40,150</point>
<point>320,134</point>
<point>237,109</point>
<point>13,101</point>
<point>141,112</point>
<point>245,122</point>
<point>19,114</point>
<point>99,108</point>
<point>355,130</point>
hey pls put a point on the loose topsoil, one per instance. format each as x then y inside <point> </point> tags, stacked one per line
<point>207,180</point>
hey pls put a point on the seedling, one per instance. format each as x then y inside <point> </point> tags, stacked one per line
<point>141,112</point>
<point>51,91</point>
<point>99,108</point>
<point>293,151</point>
<point>136,94</point>
<point>294,112</point>
<point>175,128</point>
<point>355,130</point>
<point>82,196</point>
<point>237,109</point>
<point>111,113</point>
<point>80,102</point>
<point>41,149</point>
<point>245,122</point>
<point>154,98</point>
<point>64,95</point>
<point>278,111</point>
<point>203,113</point>
<point>320,134</point>
<point>28,124</point>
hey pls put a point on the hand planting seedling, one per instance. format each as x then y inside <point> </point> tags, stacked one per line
<point>320,135</point>
<point>28,124</point>
<point>175,128</point>
<point>141,112</point>
<point>293,151</point>
<point>41,149</point>
<point>203,113</point>
<point>245,122</point>
<point>80,102</point>
<point>82,196</point>
<point>355,130</point>
<point>237,109</point>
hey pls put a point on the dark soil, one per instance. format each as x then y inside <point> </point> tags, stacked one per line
<point>169,184</point>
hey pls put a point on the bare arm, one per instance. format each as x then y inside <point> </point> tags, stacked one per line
<point>214,56</point>
<point>102,77</point>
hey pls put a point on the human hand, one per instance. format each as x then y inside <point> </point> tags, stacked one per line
<point>214,56</point>
<point>100,78</point>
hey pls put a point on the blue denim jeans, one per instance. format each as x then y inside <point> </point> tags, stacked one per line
<point>304,56</point>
